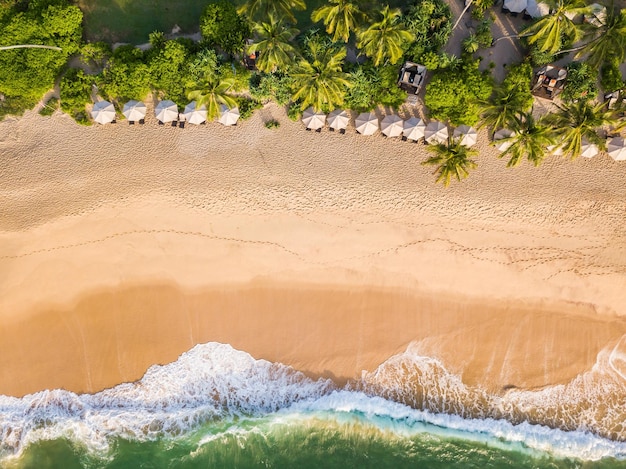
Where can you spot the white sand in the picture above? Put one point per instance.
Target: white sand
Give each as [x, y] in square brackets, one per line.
[88, 210]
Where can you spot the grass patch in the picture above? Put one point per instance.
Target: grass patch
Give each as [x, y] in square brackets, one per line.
[132, 20]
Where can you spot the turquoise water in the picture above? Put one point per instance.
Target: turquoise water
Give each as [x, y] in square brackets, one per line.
[220, 408]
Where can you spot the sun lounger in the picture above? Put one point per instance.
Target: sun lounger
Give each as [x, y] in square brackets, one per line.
[342, 131]
[318, 130]
[174, 124]
[131, 122]
[161, 123]
[142, 121]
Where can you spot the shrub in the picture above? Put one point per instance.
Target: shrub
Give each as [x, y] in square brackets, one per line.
[373, 86]
[611, 77]
[294, 111]
[453, 94]
[483, 34]
[430, 22]
[580, 83]
[538, 58]
[126, 76]
[272, 124]
[275, 86]
[247, 106]
[76, 93]
[221, 26]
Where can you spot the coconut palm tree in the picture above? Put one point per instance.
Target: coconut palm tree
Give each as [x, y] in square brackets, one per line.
[319, 80]
[504, 107]
[530, 140]
[451, 160]
[574, 122]
[385, 40]
[273, 45]
[549, 31]
[211, 93]
[262, 9]
[340, 17]
[607, 42]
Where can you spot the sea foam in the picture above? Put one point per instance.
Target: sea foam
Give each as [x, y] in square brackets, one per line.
[213, 381]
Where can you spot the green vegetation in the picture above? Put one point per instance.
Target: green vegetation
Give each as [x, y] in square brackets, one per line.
[26, 74]
[385, 40]
[222, 27]
[341, 18]
[452, 160]
[509, 101]
[530, 141]
[274, 45]
[552, 31]
[429, 22]
[272, 124]
[211, 93]
[50, 107]
[581, 82]
[76, 89]
[454, 93]
[611, 77]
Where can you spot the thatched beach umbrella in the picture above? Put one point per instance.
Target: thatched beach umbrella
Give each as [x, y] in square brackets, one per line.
[313, 119]
[436, 132]
[588, 150]
[103, 112]
[515, 6]
[134, 110]
[338, 119]
[228, 116]
[392, 126]
[166, 111]
[537, 10]
[616, 148]
[195, 115]
[466, 135]
[413, 128]
[366, 123]
[503, 134]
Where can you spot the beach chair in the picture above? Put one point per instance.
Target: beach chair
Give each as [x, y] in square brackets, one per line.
[181, 124]
[142, 121]
[161, 123]
[307, 129]
[332, 129]
[131, 122]
[174, 124]
[318, 130]
[404, 139]
[342, 131]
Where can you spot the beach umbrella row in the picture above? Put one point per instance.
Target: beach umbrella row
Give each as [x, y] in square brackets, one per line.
[103, 112]
[533, 8]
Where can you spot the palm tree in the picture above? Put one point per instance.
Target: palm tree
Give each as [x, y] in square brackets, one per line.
[530, 140]
[385, 40]
[608, 42]
[212, 92]
[273, 45]
[577, 121]
[320, 81]
[262, 9]
[340, 17]
[451, 160]
[548, 32]
[504, 107]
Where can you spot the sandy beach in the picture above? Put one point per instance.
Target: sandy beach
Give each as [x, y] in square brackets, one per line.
[123, 246]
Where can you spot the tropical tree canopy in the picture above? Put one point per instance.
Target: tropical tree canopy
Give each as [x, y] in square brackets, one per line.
[607, 43]
[509, 100]
[27, 73]
[341, 17]
[577, 121]
[451, 160]
[387, 39]
[273, 45]
[260, 10]
[530, 141]
[548, 32]
[211, 93]
[318, 79]
[222, 26]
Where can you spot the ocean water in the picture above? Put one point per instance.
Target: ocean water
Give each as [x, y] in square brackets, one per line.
[216, 407]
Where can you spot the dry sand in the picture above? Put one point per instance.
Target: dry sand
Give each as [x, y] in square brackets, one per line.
[123, 246]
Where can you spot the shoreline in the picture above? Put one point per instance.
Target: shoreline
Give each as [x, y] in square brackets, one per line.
[103, 209]
[326, 331]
